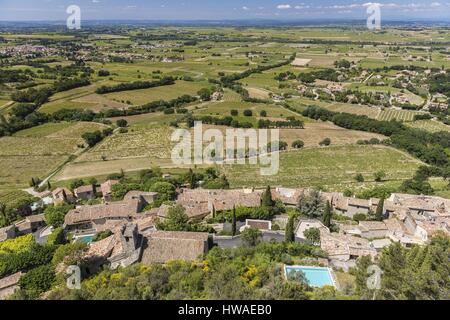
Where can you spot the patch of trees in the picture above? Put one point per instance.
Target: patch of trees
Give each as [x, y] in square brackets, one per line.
[69, 84]
[93, 138]
[223, 121]
[136, 85]
[11, 76]
[36, 256]
[290, 123]
[419, 273]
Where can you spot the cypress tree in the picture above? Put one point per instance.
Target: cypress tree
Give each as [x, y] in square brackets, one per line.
[267, 200]
[233, 224]
[327, 215]
[289, 235]
[380, 209]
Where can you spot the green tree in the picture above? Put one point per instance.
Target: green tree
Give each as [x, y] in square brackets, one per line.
[313, 236]
[38, 280]
[379, 213]
[177, 220]
[290, 233]
[266, 198]
[298, 144]
[122, 123]
[327, 215]
[379, 176]
[54, 215]
[311, 204]
[57, 237]
[234, 222]
[251, 237]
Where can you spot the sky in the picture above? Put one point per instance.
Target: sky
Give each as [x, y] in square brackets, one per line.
[49, 10]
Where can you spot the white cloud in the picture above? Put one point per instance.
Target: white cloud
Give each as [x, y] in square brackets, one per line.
[284, 6]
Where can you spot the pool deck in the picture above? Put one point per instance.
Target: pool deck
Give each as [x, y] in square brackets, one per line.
[330, 272]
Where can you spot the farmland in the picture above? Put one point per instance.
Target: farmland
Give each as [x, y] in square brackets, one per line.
[36, 152]
[333, 168]
[281, 91]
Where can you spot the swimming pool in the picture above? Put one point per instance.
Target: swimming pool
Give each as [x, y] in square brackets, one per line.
[316, 276]
[85, 239]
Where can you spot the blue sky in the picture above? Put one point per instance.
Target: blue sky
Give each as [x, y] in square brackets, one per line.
[13, 10]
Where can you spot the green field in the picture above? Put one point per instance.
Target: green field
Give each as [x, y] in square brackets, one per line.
[333, 168]
[38, 151]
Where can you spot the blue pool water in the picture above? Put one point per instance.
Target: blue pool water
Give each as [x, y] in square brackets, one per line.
[86, 239]
[317, 277]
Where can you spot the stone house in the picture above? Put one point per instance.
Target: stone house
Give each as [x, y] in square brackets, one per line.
[85, 192]
[9, 285]
[63, 195]
[7, 233]
[163, 246]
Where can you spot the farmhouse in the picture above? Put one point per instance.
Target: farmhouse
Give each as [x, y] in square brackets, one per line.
[200, 203]
[305, 225]
[63, 195]
[7, 233]
[85, 192]
[163, 246]
[9, 285]
[373, 229]
[119, 250]
[106, 189]
[148, 197]
[426, 206]
[351, 206]
[100, 217]
[344, 249]
[30, 224]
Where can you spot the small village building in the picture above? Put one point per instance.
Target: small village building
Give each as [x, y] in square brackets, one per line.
[7, 233]
[373, 229]
[85, 192]
[148, 197]
[262, 225]
[9, 285]
[63, 195]
[100, 217]
[305, 225]
[30, 224]
[106, 189]
[164, 246]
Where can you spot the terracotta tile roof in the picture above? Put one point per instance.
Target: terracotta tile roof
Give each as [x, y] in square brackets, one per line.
[372, 225]
[163, 246]
[84, 189]
[114, 210]
[10, 280]
[338, 244]
[288, 196]
[107, 186]
[59, 191]
[200, 202]
[136, 194]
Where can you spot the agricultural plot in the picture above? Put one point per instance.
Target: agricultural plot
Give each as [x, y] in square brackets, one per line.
[429, 125]
[401, 115]
[140, 97]
[38, 151]
[332, 167]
